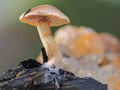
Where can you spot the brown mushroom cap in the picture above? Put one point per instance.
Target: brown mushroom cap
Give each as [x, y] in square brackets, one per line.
[44, 13]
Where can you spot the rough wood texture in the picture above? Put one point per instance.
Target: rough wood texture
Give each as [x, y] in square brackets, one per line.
[30, 75]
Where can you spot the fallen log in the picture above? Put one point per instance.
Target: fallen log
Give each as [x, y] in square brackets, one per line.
[31, 75]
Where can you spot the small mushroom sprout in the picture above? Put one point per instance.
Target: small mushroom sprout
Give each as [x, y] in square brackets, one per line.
[44, 17]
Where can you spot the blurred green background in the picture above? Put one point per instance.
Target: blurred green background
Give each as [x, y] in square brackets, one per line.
[20, 41]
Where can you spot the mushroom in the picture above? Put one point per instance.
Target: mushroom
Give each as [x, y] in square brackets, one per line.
[44, 17]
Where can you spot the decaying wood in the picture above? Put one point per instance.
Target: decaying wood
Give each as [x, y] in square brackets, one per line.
[31, 75]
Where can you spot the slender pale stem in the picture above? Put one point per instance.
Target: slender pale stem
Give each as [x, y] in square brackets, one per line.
[48, 41]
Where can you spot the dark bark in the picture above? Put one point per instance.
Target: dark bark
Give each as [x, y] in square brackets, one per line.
[30, 75]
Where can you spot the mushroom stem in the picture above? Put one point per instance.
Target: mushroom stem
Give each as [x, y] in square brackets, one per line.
[47, 39]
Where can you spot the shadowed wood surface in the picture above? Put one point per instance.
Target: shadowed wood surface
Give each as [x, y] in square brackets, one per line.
[31, 75]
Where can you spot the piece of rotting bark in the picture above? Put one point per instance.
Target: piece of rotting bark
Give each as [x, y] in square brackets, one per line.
[37, 77]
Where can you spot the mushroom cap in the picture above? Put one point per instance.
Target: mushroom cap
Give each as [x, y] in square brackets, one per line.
[44, 13]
